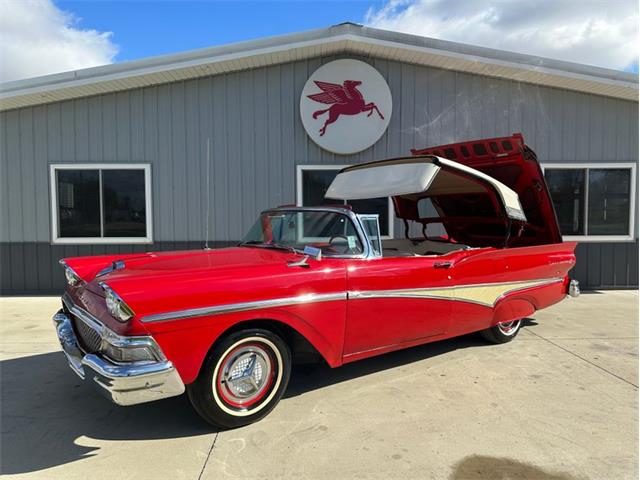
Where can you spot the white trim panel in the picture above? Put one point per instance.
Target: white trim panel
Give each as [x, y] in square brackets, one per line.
[415, 175]
[385, 180]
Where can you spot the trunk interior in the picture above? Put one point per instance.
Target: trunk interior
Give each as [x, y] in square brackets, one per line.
[470, 219]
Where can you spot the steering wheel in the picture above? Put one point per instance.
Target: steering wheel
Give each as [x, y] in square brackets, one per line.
[344, 244]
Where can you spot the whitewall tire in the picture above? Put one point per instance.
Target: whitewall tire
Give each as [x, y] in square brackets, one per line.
[242, 379]
[502, 332]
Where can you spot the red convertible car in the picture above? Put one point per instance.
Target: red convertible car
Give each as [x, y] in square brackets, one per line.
[481, 251]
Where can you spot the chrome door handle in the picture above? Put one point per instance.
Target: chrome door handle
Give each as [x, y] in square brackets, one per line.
[442, 265]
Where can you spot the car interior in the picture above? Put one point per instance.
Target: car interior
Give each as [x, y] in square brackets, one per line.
[411, 247]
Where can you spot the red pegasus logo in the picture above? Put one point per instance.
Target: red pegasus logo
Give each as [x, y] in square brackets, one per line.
[344, 99]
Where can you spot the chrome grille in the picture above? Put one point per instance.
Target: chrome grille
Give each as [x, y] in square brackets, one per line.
[90, 340]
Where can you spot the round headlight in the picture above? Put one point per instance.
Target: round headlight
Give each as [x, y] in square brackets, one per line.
[116, 306]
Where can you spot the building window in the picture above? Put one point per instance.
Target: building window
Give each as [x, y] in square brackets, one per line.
[105, 203]
[313, 182]
[593, 202]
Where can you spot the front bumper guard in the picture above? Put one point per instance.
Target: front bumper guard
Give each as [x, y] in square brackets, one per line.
[123, 384]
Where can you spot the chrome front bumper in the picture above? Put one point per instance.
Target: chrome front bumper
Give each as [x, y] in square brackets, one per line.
[123, 384]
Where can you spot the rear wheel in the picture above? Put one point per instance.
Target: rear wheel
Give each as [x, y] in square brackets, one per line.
[503, 332]
[243, 378]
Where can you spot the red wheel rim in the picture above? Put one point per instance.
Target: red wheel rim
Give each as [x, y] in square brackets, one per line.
[246, 375]
[509, 328]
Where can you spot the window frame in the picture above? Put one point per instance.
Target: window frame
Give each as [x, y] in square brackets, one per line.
[53, 195]
[299, 193]
[631, 166]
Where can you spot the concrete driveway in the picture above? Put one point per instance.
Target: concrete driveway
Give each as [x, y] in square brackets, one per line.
[559, 402]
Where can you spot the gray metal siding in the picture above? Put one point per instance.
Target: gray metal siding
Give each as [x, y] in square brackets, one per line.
[257, 139]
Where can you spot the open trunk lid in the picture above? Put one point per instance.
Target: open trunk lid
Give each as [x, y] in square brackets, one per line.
[510, 161]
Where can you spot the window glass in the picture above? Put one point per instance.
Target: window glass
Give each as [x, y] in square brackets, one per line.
[78, 203]
[426, 209]
[314, 187]
[370, 224]
[101, 203]
[324, 225]
[124, 203]
[567, 189]
[378, 206]
[609, 199]
[332, 232]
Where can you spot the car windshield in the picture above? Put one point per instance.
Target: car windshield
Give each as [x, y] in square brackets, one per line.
[332, 232]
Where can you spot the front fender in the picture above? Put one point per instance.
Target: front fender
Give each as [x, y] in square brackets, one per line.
[186, 342]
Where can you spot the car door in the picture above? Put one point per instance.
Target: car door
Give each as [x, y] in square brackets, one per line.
[394, 301]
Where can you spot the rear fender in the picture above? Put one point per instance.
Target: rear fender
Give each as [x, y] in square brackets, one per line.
[513, 309]
[524, 304]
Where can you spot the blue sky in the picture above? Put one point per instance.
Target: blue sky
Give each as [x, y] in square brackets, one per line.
[146, 28]
[40, 37]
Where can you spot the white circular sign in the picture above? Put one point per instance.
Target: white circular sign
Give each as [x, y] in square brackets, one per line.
[345, 106]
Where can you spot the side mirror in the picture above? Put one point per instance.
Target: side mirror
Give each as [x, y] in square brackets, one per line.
[313, 252]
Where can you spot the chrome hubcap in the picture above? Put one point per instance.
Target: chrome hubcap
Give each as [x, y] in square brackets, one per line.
[245, 374]
[509, 328]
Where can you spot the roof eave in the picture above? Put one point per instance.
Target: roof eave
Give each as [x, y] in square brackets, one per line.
[341, 39]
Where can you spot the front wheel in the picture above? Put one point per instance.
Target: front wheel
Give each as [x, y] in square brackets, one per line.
[242, 379]
[503, 332]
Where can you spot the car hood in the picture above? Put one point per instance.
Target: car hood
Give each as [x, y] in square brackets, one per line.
[162, 263]
[107, 268]
[157, 282]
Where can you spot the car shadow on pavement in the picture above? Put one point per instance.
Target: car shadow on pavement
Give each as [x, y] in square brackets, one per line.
[45, 408]
[313, 376]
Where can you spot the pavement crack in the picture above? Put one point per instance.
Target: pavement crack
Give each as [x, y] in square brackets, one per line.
[584, 359]
[208, 455]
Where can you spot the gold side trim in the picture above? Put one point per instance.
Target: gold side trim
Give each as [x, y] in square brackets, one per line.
[487, 294]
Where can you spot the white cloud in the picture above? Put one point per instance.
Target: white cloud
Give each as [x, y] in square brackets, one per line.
[595, 32]
[37, 38]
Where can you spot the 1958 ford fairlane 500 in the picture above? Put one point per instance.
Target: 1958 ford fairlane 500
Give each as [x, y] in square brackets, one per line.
[482, 250]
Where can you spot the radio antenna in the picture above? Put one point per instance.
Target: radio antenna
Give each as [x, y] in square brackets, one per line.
[206, 234]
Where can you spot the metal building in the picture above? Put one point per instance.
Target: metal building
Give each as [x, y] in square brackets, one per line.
[113, 159]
